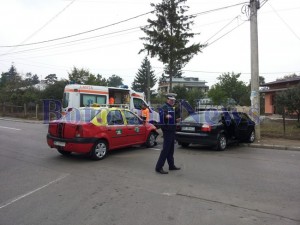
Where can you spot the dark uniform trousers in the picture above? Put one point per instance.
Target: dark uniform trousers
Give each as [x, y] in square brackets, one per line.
[168, 128]
[168, 150]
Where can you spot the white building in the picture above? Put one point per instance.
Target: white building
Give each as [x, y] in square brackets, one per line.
[189, 83]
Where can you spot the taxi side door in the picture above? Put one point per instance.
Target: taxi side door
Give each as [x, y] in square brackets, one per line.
[116, 129]
[136, 130]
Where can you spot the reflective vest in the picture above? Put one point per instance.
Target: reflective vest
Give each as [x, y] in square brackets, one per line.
[146, 114]
[111, 100]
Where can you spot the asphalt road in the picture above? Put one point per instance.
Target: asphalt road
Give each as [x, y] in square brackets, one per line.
[240, 186]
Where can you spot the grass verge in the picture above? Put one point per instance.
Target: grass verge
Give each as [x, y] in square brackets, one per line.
[274, 128]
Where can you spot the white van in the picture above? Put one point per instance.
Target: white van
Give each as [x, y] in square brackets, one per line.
[77, 95]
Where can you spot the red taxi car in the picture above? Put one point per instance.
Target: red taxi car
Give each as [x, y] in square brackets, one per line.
[98, 130]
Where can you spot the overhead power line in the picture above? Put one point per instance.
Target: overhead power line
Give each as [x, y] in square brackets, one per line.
[220, 72]
[70, 42]
[217, 9]
[113, 24]
[206, 42]
[54, 17]
[41, 28]
[224, 34]
[77, 34]
[285, 23]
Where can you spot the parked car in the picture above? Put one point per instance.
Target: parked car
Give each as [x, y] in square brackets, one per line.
[215, 128]
[98, 130]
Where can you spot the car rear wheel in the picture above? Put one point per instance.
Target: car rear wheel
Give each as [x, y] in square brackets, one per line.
[63, 152]
[151, 140]
[222, 143]
[251, 137]
[184, 144]
[99, 150]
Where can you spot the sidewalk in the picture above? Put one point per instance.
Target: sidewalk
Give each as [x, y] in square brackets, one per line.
[264, 142]
[275, 143]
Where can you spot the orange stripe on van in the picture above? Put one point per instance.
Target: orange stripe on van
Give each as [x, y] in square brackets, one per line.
[87, 91]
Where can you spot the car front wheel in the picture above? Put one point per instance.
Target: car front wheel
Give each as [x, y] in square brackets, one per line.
[99, 150]
[222, 143]
[251, 137]
[151, 140]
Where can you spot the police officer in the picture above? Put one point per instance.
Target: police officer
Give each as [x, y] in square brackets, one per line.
[168, 125]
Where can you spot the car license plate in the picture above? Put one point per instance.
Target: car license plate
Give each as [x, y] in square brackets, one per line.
[59, 143]
[188, 128]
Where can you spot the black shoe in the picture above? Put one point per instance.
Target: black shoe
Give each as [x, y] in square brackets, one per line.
[174, 168]
[161, 171]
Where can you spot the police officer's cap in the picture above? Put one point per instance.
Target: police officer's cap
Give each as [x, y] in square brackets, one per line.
[171, 96]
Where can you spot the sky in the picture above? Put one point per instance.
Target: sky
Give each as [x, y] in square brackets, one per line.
[103, 36]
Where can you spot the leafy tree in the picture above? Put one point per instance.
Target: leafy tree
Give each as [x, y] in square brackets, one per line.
[96, 80]
[229, 87]
[51, 79]
[11, 81]
[79, 76]
[217, 95]
[261, 80]
[102, 81]
[168, 36]
[55, 90]
[114, 81]
[35, 79]
[11, 77]
[180, 91]
[31, 95]
[140, 82]
[31, 80]
[262, 96]
[293, 100]
[193, 95]
[281, 100]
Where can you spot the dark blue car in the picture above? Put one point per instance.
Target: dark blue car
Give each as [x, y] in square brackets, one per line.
[215, 128]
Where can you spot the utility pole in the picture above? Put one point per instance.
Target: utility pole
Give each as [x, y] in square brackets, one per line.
[255, 104]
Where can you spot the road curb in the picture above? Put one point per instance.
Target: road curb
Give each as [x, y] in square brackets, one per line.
[268, 146]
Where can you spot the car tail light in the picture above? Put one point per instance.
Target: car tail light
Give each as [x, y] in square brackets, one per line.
[178, 128]
[79, 131]
[206, 128]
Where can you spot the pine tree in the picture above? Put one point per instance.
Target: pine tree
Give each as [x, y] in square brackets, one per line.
[140, 82]
[168, 36]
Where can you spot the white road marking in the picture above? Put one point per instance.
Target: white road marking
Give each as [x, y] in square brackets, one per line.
[31, 192]
[11, 128]
[156, 149]
[168, 194]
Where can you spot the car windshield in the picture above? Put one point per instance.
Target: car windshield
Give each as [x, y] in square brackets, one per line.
[81, 115]
[203, 117]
